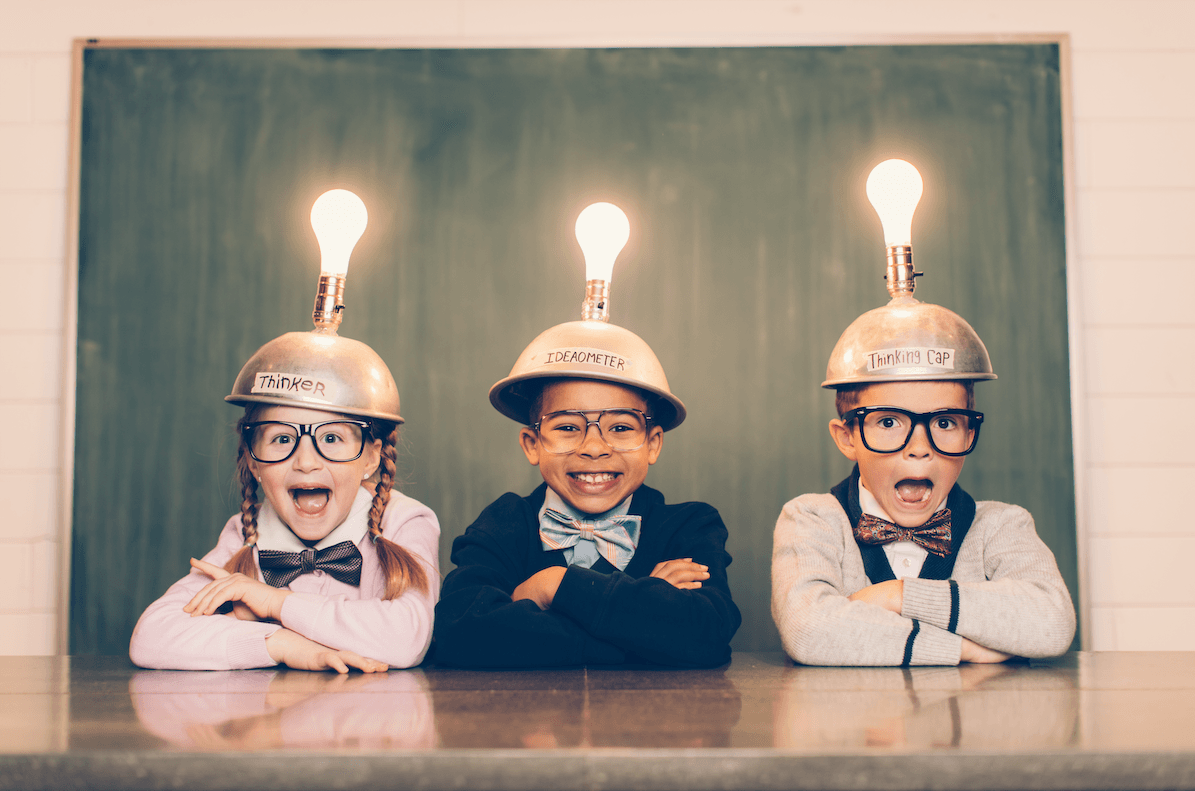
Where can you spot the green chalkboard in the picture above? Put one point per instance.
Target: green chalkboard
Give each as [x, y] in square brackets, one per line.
[753, 246]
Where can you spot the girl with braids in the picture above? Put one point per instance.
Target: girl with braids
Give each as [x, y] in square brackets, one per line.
[335, 569]
[326, 567]
[332, 571]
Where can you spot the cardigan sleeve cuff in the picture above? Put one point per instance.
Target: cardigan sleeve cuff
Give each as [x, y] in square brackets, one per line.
[299, 613]
[930, 601]
[934, 646]
[247, 649]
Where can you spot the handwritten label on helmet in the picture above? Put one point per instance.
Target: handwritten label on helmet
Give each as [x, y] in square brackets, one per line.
[911, 357]
[583, 356]
[284, 384]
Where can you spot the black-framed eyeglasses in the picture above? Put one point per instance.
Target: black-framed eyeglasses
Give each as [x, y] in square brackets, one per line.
[564, 432]
[272, 441]
[888, 429]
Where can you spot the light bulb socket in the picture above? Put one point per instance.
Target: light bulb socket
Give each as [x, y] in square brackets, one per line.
[901, 275]
[329, 303]
[596, 306]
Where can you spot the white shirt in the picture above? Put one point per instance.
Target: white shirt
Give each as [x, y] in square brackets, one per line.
[905, 557]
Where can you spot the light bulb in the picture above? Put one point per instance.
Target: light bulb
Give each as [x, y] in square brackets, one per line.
[894, 188]
[602, 231]
[339, 218]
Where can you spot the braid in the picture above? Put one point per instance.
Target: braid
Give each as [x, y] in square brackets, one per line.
[242, 561]
[399, 567]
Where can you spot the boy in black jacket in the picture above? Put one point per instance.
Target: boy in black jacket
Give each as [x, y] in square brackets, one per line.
[592, 567]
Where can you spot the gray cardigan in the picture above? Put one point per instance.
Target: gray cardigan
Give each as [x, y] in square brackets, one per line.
[1005, 593]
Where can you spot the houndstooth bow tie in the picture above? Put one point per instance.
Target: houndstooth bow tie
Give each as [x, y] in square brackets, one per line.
[341, 561]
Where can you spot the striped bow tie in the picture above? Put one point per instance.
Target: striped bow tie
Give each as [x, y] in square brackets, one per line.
[934, 535]
[342, 561]
[612, 536]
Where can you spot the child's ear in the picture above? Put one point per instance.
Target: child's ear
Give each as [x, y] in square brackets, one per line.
[529, 442]
[844, 438]
[655, 444]
[373, 454]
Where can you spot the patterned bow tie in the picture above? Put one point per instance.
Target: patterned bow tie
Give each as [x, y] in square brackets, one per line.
[934, 535]
[612, 536]
[342, 561]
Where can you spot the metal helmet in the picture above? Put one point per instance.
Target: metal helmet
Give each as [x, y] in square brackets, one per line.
[908, 340]
[587, 350]
[319, 370]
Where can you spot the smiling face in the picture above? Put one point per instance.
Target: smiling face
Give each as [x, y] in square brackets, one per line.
[312, 495]
[593, 478]
[912, 483]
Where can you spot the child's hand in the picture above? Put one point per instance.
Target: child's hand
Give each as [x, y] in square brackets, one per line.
[889, 594]
[296, 651]
[540, 587]
[262, 600]
[974, 652]
[682, 573]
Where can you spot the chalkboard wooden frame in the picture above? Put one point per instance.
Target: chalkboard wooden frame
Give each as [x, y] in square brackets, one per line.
[1074, 334]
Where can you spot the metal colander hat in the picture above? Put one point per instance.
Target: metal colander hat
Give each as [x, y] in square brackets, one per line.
[586, 350]
[906, 340]
[320, 370]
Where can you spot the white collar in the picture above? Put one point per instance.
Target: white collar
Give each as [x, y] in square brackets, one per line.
[556, 503]
[272, 532]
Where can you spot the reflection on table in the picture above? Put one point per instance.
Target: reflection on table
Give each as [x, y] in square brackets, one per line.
[266, 709]
[1084, 721]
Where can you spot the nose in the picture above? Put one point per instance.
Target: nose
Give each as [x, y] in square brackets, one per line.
[594, 445]
[919, 447]
[306, 458]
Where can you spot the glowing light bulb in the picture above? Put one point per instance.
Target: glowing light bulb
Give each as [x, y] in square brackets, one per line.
[602, 231]
[894, 189]
[339, 218]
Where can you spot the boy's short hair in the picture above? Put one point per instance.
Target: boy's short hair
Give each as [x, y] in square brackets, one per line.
[846, 397]
[533, 391]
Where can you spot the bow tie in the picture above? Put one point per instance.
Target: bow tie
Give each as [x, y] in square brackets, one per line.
[342, 561]
[934, 535]
[612, 536]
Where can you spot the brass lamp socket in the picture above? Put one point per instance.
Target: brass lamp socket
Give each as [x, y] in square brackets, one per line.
[596, 306]
[329, 302]
[901, 275]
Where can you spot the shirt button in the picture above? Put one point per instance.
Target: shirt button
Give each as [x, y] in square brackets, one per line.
[908, 562]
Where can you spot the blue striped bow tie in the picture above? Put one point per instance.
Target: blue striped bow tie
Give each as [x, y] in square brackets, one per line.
[341, 561]
[612, 536]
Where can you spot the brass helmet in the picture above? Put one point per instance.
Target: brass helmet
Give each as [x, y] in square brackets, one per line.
[587, 349]
[906, 340]
[319, 369]
[591, 348]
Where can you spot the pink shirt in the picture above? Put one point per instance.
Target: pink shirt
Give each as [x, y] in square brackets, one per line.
[341, 616]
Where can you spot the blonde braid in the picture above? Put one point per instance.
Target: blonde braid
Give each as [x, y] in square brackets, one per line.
[400, 569]
[242, 561]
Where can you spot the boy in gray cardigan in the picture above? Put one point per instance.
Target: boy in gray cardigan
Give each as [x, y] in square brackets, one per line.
[898, 565]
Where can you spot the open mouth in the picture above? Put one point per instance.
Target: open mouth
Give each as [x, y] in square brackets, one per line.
[310, 500]
[594, 478]
[914, 491]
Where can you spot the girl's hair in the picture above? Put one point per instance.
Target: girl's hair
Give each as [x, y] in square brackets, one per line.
[400, 568]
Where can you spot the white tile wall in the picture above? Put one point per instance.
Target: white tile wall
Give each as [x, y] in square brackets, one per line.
[1134, 107]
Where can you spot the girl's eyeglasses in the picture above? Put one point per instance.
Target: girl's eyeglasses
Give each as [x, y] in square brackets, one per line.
[272, 441]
